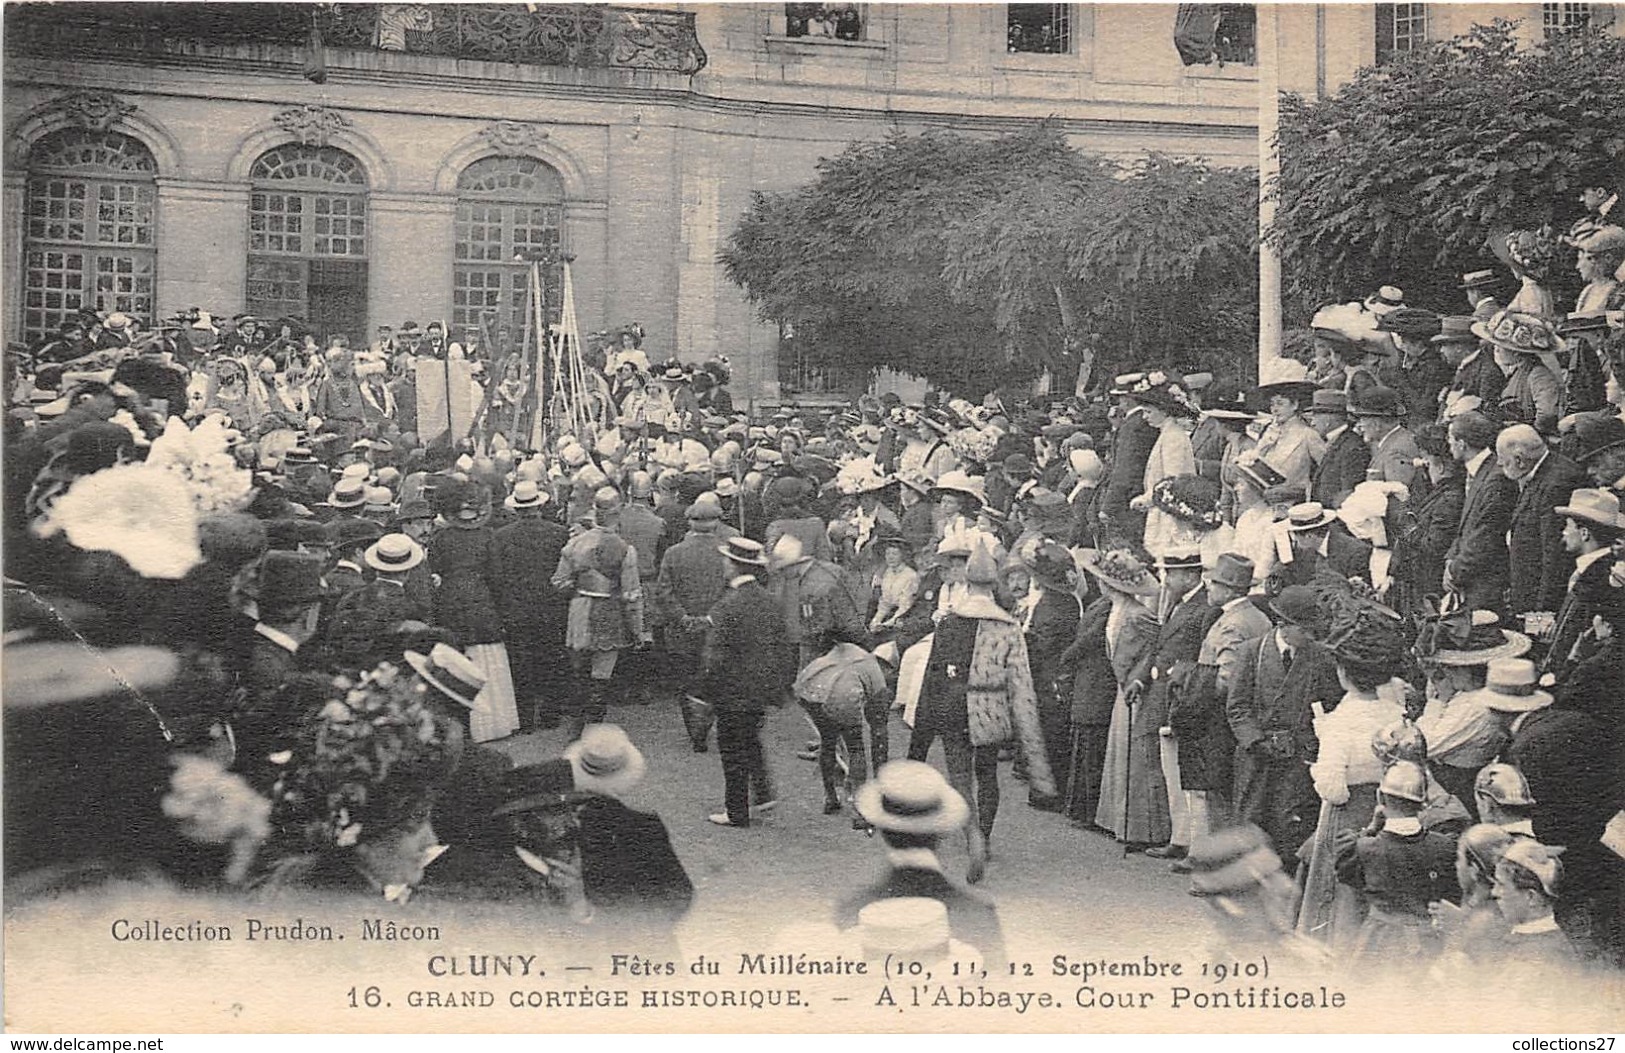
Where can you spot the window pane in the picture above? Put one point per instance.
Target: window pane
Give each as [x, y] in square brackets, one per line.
[1038, 28]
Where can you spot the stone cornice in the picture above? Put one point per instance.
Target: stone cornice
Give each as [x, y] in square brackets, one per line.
[22, 71]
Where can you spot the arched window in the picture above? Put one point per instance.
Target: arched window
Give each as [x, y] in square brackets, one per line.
[506, 207]
[90, 240]
[307, 238]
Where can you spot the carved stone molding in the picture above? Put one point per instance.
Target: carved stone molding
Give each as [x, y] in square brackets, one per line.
[312, 125]
[514, 135]
[96, 110]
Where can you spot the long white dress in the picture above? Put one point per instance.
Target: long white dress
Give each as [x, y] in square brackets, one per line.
[1172, 455]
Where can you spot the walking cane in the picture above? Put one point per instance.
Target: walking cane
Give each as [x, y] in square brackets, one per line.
[1128, 773]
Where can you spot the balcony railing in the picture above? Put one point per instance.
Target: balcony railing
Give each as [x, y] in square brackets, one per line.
[578, 35]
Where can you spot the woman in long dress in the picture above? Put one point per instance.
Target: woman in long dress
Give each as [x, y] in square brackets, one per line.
[1133, 801]
[1367, 643]
[1170, 411]
[463, 604]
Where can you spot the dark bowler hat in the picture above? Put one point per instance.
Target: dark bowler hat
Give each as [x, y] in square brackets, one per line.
[1376, 402]
[1456, 329]
[1234, 570]
[1299, 391]
[1410, 321]
[1597, 433]
[1329, 400]
[1297, 604]
[288, 578]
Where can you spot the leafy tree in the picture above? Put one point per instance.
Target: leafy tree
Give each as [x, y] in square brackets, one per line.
[1406, 171]
[979, 262]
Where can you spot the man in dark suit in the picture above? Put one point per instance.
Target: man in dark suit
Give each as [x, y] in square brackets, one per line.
[1574, 781]
[693, 577]
[1540, 567]
[1476, 373]
[1342, 467]
[1196, 706]
[1131, 448]
[526, 552]
[913, 807]
[1592, 525]
[1186, 617]
[1320, 541]
[1091, 685]
[1476, 562]
[1049, 617]
[744, 672]
[1267, 705]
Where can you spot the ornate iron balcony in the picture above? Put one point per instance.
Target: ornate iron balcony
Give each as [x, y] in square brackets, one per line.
[578, 35]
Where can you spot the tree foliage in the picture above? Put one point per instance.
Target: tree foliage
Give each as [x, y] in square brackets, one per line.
[1405, 172]
[976, 262]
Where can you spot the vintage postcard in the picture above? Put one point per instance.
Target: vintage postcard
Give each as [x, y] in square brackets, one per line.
[814, 517]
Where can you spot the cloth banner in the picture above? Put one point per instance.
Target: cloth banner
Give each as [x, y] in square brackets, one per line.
[438, 412]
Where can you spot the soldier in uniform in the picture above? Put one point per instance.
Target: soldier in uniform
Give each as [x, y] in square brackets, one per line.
[606, 612]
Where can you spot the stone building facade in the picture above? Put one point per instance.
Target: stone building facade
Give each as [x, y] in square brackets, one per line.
[159, 162]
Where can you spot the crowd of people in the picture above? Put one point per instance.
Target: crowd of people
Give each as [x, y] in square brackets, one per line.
[1365, 620]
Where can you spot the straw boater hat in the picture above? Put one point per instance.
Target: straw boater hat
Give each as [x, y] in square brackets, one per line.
[526, 494]
[915, 927]
[747, 552]
[605, 761]
[1232, 862]
[1120, 570]
[911, 797]
[348, 492]
[393, 554]
[1478, 280]
[1309, 515]
[1510, 687]
[451, 671]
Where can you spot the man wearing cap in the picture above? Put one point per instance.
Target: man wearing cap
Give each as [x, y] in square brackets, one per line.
[1476, 563]
[1343, 465]
[1592, 526]
[1540, 567]
[914, 808]
[693, 576]
[744, 672]
[1268, 708]
[606, 611]
[534, 614]
[1377, 414]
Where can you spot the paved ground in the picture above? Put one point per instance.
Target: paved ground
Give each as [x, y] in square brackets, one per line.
[1059, 889]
